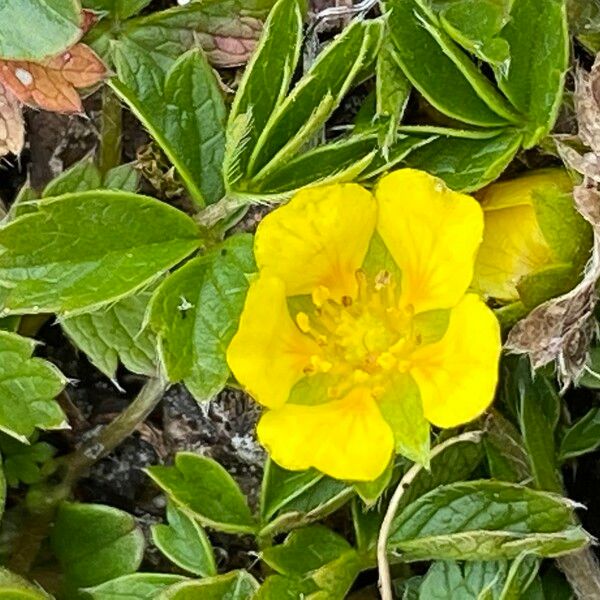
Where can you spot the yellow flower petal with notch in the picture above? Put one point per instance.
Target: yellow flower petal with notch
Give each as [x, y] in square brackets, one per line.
[336, 318]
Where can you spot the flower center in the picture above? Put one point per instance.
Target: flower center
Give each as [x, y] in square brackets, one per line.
[363, 338]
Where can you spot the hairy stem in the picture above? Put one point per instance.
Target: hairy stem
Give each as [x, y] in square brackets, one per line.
[110, 131]
[43, 502]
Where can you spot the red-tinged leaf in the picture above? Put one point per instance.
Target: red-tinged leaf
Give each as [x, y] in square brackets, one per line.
[51, 85]
[12, 127]
[90, 18]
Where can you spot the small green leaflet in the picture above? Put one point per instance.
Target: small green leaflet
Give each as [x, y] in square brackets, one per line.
[116, 333]
[184, 543]
[139, 586]
[113, 544]
[13, 587]
[195, 313]
[81, 177]
[236, 585]
[184, 110]
[205, 490]
[23, 462]
[28, 387]
[57, 259]
[57, 21]
[581, 437]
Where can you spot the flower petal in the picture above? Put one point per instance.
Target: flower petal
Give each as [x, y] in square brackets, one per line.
[457, 376]
[268, 353]
[433, 234]
[320, 238]
[346, 439]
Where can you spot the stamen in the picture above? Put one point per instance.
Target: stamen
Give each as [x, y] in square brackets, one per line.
[303, 322]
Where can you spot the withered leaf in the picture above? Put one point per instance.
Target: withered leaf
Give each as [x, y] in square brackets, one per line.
[52, 85]
[12, 127]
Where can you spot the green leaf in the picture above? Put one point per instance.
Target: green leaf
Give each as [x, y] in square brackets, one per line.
[114, 334]
[402, 409]
[506, 454]
[124, 177]
[183, 109]
[28, 387]
[184, 543]
[535, 76]
[466, 164]
[204, 489]
[58, 21]
[315, 97]
[117, 9]
[265, 83]
[236, 585]
[371, 491]
[546, 283]
[581, 437]
[13, 587]
[454, 463]
[340, 161]
[485, 520]
[81, 177]
[590, 378]
[23, 461]
[139, 586]
[441, 71]
[539, 410]
[305, 550]
[112, 544]
[195, 313]
[58, 259]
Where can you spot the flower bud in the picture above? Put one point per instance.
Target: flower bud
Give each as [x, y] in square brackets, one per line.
[535, 243]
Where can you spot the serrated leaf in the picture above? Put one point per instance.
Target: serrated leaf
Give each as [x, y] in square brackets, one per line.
[466, 164]
[195, 313]
[267, 78]
[204, 489]
[485, 520]
[581, 437]
[52, 85]
[534, 79]
[113, 544]
[183, 109]
[139, 586]
[28, 387]
[81, 177]
[116, 333]
[184, 543]
[14, 587]
[236, 585]
[59, 20]
[58, 259]
[12, 126]
[315, 97]
[441, 71]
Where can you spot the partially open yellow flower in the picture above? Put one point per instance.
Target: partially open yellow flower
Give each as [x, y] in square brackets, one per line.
[358, 331]
[535, 243]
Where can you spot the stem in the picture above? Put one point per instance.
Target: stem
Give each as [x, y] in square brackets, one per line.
[111, 125]
[44, 501]
[385, 580]
[583, 572]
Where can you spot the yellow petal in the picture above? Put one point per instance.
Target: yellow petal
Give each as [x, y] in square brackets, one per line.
[346, 439]
[320, 238]
[268, 353]
[457, 376]
[433, 234]
[513, 242]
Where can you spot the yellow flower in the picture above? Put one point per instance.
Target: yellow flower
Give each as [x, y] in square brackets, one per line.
[358, 331]
[535, 244]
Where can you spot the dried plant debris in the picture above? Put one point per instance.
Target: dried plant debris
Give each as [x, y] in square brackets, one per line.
[562, 329]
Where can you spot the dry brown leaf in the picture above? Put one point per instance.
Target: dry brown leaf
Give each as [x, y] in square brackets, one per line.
[12, 127]
[51, 85]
